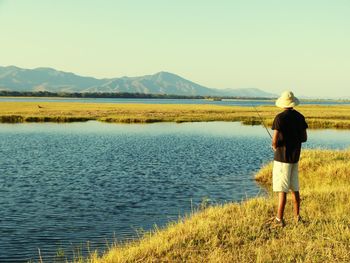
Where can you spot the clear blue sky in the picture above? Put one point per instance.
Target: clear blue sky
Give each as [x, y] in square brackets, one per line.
[273, 45]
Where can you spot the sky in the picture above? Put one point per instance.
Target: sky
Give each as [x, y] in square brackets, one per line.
[274, 45]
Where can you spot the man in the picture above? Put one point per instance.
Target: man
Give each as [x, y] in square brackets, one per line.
[289, 132]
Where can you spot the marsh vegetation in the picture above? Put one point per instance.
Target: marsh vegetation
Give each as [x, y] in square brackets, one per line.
[16, 112]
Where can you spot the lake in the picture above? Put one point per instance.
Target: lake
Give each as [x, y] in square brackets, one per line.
[224, 102]
[63, 185]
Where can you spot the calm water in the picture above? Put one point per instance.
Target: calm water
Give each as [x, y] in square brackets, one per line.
[62, 185]
[233, 102]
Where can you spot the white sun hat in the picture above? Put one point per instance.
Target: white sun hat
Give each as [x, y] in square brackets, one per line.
[287, 100]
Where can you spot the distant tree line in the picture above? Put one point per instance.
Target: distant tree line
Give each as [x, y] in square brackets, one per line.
[93, 95]
[7, 93]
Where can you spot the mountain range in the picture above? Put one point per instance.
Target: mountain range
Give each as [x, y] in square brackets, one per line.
[48, 79]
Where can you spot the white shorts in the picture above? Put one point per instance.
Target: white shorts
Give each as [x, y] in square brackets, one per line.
[285, 176]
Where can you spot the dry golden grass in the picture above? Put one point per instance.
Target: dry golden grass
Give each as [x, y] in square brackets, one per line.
[317, 116]
[240, 232]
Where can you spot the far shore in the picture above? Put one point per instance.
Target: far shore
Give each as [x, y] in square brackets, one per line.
[317, 116]
[41, 97]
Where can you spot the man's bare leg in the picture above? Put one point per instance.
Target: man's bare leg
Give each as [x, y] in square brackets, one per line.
[282, 199]
[296, 202]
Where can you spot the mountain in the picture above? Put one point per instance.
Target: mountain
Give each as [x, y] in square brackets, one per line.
[247, 92]
[47, 79]
[159, 83]
[44, 79]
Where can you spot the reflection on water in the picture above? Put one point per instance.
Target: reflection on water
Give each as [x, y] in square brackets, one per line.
[64, 184]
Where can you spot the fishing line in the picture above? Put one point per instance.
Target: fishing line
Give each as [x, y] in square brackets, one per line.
[262, 120]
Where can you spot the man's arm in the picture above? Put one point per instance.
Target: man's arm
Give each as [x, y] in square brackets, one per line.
[275, 139]
[304, 136]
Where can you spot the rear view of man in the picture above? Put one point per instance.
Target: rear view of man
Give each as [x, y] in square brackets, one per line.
[289, 132]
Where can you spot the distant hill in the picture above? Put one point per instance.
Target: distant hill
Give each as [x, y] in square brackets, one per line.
[159, 83]
[247, 92]
[47, 79]
[44, 79]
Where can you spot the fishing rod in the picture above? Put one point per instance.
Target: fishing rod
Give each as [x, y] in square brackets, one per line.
[262, 120]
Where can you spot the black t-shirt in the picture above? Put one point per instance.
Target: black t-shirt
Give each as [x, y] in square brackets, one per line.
[291, 125]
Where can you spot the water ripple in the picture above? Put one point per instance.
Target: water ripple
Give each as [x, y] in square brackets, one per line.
[64, 185]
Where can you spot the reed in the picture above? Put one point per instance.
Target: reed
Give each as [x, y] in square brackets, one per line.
[240, 232]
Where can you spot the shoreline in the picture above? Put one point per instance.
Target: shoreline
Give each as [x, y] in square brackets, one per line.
[241, 232]
[182, 98]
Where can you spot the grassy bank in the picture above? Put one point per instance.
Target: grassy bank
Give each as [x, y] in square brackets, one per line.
[16, 112]
[241, 232]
